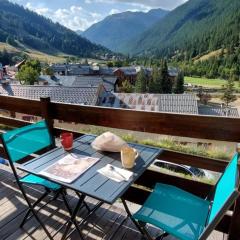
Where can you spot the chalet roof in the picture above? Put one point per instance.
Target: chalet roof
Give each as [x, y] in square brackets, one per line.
[172, 72]
[127, 70]
[81, 81]
[177, 103]
[218, 111]
[73, 69]
[108, 82]
[75, 95]
[106, 70]
[59, 67]
[79, 70]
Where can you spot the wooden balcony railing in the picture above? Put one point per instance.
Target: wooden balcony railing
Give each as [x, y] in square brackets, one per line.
[203, 127]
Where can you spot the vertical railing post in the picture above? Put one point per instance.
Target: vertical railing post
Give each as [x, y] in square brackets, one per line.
[46, 114]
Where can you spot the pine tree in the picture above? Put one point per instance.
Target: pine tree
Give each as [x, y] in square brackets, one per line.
[179, 84]
[155, 85]
[228, 95]
[166, 82]
[141, 82]
[85, 62]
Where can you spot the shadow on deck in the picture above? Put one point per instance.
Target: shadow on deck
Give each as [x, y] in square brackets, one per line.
[100, 226]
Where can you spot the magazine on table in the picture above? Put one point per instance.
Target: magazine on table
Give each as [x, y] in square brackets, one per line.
[69, 168]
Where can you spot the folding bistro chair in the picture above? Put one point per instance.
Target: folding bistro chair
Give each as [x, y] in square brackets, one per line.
[184, 215]
[20, 143]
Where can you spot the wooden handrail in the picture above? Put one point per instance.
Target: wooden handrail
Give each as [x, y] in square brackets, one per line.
[194, 126]
[20, 105]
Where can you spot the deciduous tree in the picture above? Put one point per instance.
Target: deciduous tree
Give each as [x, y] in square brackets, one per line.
[27, 75]
[228, 95]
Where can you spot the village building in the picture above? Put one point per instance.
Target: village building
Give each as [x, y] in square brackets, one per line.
[126, 73]
[74, 69]
[130, 74]
[60, 69]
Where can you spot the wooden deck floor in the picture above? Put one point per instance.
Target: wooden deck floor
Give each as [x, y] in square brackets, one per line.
[100, 226]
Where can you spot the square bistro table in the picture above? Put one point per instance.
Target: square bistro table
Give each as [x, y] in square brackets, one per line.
[91, 183]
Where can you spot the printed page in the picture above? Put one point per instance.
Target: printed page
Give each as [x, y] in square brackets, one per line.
[69, 168]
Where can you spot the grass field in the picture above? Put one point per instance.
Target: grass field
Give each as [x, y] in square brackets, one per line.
[208, 83]
[215, 53]
[34, 54]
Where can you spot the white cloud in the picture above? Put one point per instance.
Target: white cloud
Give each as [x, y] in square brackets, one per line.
[74, 17]
[80, 16]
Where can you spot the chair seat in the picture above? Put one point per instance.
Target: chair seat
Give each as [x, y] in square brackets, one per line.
[32, 179]
[175, 211]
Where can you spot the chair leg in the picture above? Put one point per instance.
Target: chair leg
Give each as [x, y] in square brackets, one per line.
[142, 228]
[36, 216]
[42, 225]
[33, 206]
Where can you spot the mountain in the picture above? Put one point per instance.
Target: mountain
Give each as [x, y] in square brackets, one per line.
[196, 27]
[79, 32]
[19, 26]
[117, 29]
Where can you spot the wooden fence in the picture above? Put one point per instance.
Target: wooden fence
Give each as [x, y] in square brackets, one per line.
[204, 127]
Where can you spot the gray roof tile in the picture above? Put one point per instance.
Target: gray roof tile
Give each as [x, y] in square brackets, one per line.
[177, 103]
[82, 81]
[75, 95]
[218, 111]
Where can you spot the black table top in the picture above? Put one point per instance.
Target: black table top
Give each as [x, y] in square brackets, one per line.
[91, 182]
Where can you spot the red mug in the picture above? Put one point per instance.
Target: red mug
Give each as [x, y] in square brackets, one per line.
[66, 140]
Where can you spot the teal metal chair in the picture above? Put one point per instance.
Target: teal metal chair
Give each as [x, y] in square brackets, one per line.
[20, 143]
[184, 215]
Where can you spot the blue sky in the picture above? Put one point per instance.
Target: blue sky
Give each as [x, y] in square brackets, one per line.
[81, 14]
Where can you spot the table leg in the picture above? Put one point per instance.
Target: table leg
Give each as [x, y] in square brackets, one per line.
[73, 215]
[72, 220]
[70, 212]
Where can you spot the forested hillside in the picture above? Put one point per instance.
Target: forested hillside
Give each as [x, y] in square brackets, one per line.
[196, 28]
[117, 29]
[21, 26]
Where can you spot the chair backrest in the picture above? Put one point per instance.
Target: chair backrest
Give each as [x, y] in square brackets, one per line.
[21, 142]
[226, 192]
